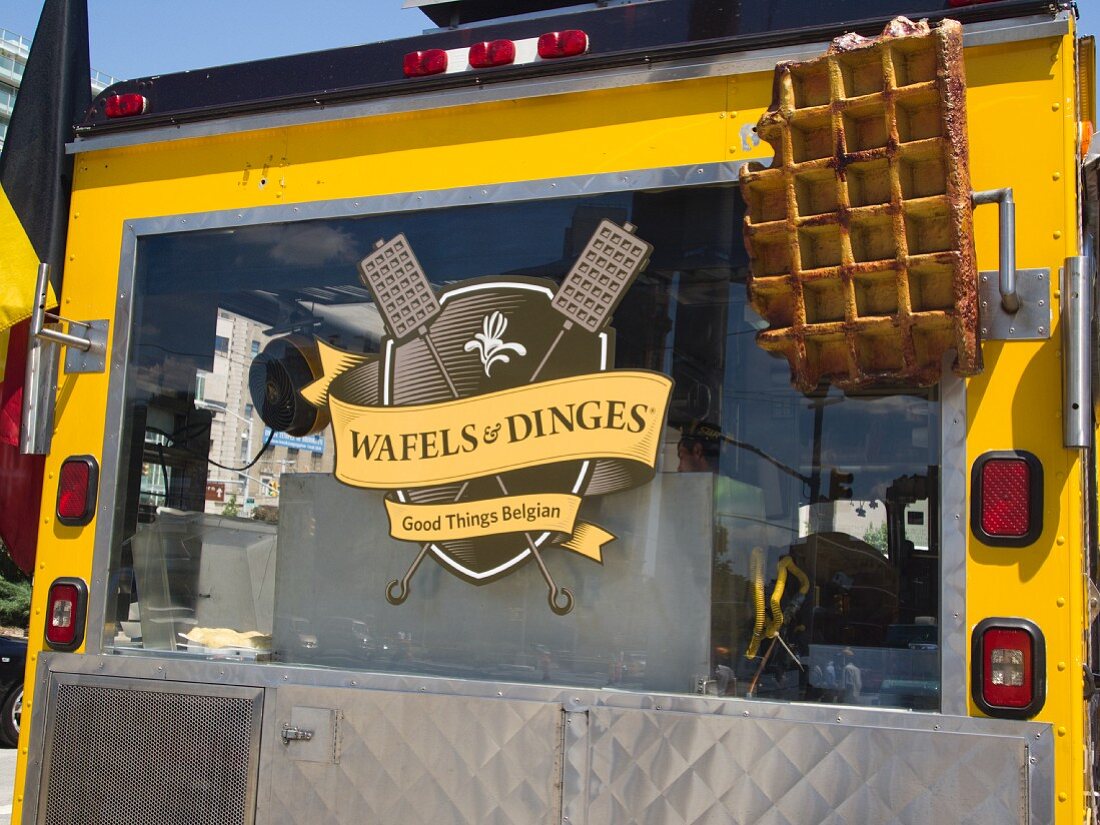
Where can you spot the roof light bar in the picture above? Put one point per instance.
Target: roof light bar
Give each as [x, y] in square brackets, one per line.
[425, 63]
[567, 43]
[491, 53]
[127, 105]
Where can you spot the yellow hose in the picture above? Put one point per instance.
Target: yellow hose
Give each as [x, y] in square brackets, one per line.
[775, 623]
[756, 575]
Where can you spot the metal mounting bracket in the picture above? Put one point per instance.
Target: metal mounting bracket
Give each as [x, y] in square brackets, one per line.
[93, 359]
[1031, 322]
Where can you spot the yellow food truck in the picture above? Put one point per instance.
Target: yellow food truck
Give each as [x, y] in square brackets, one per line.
[584, 412]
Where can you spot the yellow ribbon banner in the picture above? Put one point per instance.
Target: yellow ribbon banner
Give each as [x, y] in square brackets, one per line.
[605, 415]
[552, 512]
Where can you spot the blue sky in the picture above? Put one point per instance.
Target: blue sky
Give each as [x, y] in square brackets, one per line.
[135, 38]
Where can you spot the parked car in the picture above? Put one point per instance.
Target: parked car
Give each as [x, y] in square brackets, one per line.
[13, 661]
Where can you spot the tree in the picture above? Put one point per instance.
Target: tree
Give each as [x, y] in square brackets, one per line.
[15, 592]
[231, 507]
[876, 536]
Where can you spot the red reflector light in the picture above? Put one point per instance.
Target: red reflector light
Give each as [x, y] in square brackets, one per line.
[492, 53]
[1008, 668]
[566, 43]
[428, 62]
[1007, 498]
[76, 490]
[65, 613]
[126, 105]
[1006, 488]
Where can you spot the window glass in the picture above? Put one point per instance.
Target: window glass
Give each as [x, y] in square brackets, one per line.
[763, 542]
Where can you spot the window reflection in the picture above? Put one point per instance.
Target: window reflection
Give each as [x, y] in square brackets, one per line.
[787, 548]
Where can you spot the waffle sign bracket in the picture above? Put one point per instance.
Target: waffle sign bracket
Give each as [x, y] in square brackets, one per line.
[1031, 322]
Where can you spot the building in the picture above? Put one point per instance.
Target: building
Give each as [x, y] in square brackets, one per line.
[14, 49]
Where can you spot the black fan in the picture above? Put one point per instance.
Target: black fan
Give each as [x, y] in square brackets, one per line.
[275, 379]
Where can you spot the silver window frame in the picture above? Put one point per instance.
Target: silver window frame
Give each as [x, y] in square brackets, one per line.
[953, 627]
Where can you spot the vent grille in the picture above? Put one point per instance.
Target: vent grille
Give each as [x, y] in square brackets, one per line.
[150, 757]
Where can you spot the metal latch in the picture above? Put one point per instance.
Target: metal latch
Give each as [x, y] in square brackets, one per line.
[291, 734]
[86, 352]
[92, 343]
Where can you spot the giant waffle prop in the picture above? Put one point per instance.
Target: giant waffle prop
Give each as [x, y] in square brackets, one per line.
[860, 234]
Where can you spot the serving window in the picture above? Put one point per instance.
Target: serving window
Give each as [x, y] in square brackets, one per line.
[310, 473]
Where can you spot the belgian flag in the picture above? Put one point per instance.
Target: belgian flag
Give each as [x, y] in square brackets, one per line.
[35, 188]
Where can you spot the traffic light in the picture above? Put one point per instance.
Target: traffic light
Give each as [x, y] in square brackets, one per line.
[840, 485]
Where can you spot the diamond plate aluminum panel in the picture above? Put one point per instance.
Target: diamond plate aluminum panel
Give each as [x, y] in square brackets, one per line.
[676, 769]
[412, 757]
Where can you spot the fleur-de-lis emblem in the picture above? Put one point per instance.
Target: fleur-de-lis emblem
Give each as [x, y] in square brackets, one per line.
[490, 342]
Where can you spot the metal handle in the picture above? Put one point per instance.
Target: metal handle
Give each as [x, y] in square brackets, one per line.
[1077, 346]
[1006, 214]
[291, 734]
[40, 376]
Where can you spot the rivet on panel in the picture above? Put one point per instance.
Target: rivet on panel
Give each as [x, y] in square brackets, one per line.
[1061, 731]
[1060, 540]
[1057, 176]
[1057, 234]
[1061, 602]
[1061, 665]
[1062, 797]
[733, 148]
[1054, 107]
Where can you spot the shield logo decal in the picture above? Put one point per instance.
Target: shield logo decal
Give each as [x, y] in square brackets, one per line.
[496, 410]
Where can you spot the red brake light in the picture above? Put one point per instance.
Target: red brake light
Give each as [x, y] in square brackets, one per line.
[566, 43]
[65, 613]
[1008, 668]
[126, 105]
[1006, 485]
[1007, 492]
[492, 53]
[428, 62]
[76, 490]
